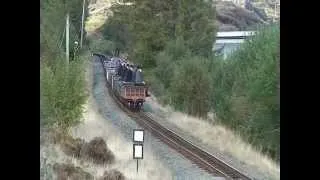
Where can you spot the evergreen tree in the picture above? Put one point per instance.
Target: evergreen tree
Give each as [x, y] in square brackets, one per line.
[152, 23]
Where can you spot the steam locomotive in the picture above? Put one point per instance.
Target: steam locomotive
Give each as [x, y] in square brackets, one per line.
[125, 81]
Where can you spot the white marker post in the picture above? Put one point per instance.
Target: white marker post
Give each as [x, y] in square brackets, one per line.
[138, 135]
[138, 138]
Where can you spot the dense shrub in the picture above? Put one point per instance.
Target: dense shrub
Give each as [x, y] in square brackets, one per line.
[190, 87]
[246, 90]
[62, 93]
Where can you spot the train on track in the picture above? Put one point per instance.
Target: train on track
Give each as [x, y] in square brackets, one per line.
[125, 81]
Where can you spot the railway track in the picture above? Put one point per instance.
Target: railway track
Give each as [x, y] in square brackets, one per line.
[203, 159]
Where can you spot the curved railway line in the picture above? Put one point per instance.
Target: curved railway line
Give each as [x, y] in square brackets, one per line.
[201, 158]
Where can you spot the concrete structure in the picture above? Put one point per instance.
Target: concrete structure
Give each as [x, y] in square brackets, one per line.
[240, 3]
[228, 42]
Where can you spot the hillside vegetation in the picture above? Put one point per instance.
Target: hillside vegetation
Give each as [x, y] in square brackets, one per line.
[246, 91]
[63, 95]
[62, 85]
[173, 41]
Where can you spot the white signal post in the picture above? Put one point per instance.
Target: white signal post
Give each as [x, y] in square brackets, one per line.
[138, 138]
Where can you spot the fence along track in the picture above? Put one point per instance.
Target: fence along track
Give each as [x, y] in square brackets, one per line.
[200, 157]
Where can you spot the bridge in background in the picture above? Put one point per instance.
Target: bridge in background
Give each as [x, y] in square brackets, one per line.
[228, 42]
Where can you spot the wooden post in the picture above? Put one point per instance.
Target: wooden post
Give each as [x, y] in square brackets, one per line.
[81, 38]
[67, 38]
[137, 165]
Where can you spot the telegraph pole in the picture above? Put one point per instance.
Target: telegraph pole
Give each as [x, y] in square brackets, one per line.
[275, 11]
[67, 38]
[81, 38]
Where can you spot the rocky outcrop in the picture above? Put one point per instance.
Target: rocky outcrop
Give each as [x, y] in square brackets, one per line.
[231, 17]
